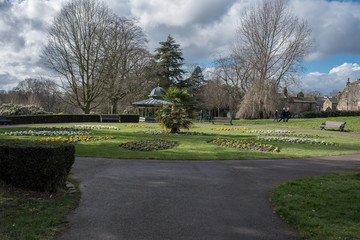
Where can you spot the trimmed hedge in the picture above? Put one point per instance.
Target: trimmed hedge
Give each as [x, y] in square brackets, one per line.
[69, 118]
[34, 165]
[325, 114]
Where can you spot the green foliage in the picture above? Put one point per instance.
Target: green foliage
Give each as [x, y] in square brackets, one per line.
[321, 207]
[300, 94]
[177, 115]
[149, 145]
[19, 109]
[67, 118]
[173, 118]
[195, 81]
[35, 165]
[170, 60]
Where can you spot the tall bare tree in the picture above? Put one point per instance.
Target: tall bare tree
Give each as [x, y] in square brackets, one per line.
[268, 53]
[78, 50]
[128, 61]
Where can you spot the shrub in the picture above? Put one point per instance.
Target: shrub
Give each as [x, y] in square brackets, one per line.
[19, 109]
[33, 165]
[325, 114]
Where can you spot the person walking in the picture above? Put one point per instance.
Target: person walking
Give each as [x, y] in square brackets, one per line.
[282, 115]
[201, 116]
[209, 116]
[276, 116]
[287, 114]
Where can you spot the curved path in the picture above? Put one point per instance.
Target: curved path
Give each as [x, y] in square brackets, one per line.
[159, 199]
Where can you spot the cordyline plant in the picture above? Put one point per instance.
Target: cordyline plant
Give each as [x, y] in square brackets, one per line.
[177, 115]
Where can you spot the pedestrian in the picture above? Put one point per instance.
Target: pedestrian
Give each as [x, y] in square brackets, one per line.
[282, 115]
[276, 116]
[201, 116]
[287, 114]
[209, 116]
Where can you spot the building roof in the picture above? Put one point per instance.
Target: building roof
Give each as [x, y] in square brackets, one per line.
[154, 99]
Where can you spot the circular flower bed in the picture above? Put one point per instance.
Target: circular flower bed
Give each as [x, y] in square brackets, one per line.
[230, 128]
[243, 144]
[149, 145]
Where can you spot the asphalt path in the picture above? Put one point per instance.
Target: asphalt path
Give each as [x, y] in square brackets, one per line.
[167, 199]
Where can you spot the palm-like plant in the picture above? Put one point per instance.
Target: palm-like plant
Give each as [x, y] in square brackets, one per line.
[178, 114]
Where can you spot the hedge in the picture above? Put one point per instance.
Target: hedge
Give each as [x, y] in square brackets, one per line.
[35, 165]
[69, 118]
[325, 114]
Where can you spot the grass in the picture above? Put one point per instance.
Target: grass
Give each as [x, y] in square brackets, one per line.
[196, 147]
[321, 207]
[33, 215]
[352, 123]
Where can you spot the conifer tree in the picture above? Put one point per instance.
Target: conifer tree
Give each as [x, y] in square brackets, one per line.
[169, 58]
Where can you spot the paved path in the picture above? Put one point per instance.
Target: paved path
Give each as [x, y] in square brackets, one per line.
[159, 199]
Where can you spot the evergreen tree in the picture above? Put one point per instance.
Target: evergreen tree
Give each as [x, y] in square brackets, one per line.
[195, 81]
[170, 60]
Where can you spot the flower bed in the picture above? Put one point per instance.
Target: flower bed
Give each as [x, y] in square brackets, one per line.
[149, 145]
[295, 140]
[268, 131]
[230, 128]
[138, 126]
[76, 138]
[46, 133]
[290, 135]
[98, 127]
[164, 132]
[243, 144]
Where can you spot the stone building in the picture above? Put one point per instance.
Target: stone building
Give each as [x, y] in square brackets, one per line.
[330, 104]
[349, 98]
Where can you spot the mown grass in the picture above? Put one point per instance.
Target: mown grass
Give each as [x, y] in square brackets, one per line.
[352, 123]
[196, 147]
[28, 215]
[321, 207]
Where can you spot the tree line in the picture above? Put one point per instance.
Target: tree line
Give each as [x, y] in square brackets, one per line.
[102, 63]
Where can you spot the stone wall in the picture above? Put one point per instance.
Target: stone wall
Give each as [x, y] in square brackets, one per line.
[349, 98]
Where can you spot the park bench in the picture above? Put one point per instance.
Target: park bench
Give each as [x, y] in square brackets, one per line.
[332, 124]
[222, 119]
[4, 120]
[115, 118]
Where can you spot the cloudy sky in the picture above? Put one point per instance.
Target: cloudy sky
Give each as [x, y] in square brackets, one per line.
[203, 28]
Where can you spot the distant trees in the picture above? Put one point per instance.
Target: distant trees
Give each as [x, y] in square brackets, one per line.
[271, 44]
[170, 60]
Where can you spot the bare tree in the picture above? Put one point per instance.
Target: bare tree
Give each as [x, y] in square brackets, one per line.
[213, 96]
[128, 60]
[78, 50]
[271, 44]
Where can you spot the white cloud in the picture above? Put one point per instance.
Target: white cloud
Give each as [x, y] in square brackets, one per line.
[204, 28]
[335, 79]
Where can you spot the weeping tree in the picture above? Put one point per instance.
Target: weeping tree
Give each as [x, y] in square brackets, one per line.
[267, 55]
[177, 115]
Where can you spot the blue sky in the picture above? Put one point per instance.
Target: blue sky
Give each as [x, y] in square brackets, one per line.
[205, 29]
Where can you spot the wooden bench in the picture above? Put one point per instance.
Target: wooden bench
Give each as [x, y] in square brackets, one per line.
[4, 120]
[222, 119]
[332, 124]
[115, 118]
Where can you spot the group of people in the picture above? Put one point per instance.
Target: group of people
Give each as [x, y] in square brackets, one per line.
[284, 115]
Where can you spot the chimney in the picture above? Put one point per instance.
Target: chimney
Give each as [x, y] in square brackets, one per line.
[348, 82]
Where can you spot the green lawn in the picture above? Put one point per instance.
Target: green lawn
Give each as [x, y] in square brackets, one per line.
[321, 207]
[28, 215]
[196, 147]
[352, 123]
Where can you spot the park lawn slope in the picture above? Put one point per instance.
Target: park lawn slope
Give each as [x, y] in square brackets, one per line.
[321, 207]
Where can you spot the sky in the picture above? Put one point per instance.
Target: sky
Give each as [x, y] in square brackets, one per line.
[204, 29]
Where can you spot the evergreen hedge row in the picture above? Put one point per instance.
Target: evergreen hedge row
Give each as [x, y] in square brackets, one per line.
[68, 118]
[325, 114]
[35, 165]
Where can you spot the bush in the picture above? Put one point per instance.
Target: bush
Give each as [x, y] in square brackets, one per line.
[325, 114]
[66, 118]
[34, 165]
[18, 109]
